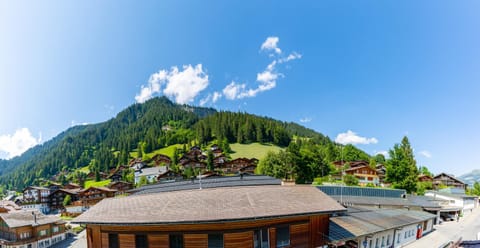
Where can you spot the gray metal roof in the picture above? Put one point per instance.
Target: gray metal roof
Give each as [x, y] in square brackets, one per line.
[223, 204]
[246, 180]
[361, 191]
[361, 223]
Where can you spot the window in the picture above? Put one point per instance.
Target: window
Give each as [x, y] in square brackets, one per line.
[42, 232]
[113, 240]
[55, 229]
[370, 245]
[383, 241]
[283, 236]
[215, 240]
[141, 241]
[376, 243]
[260, 238]
[398, 238]
[176, 240]
[388, 240]
[405, 236]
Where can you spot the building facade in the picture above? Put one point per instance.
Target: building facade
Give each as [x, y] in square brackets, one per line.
[30, 229]
[242, 216]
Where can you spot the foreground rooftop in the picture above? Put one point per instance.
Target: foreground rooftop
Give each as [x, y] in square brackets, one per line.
[211, 205]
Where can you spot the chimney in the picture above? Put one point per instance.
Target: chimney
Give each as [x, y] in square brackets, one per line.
[34, 217]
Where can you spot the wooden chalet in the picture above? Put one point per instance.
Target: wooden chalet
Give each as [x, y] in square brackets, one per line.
[120, 186]
[194, 164]
[93, 195]
[169, 175]
[237, 165]
[254, 216]
[448, 180]
[351, 164]
[58, 196]
[381, 172]
[72, 186]
[160, 159]
[425, 178]
[30, 229]
[365, 174]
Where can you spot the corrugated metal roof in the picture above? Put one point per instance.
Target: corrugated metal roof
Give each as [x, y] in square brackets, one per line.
[247, 180]
[360, 223]
[333, 190]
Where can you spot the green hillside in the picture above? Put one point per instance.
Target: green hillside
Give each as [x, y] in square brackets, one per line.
[157, 126]
[254, 150]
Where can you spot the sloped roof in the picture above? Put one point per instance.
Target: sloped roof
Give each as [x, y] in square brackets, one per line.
[362, 223]
[25, 218]
[450, 176]
[232, 181]
[216, 205]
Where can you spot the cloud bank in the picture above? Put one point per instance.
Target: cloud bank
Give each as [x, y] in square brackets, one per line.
[181, 85]
[18, 143]
[351, 137]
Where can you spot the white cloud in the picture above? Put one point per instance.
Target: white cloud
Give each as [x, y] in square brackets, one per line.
[18, 143]
[74, 123]
[216, 96]
[306, 120]
[205, 100]
[233, 90]
[426, 154]
[351, 137]
[292, 56]
[271, 44]
[182, 85]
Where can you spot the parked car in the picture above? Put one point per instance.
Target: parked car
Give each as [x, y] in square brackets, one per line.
[448, 217]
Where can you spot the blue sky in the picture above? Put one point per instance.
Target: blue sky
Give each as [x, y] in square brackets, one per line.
[366, 72]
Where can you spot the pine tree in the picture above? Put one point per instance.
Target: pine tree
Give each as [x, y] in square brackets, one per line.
[402, 169]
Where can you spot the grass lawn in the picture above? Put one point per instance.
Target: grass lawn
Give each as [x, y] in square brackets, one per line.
[254, 150]
[165, 151]
[92, 183]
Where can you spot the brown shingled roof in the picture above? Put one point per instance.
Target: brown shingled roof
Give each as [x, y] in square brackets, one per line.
[25, 218]
[211, 205]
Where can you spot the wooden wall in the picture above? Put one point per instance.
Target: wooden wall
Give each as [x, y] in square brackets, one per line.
[309, 231]
[239, 239]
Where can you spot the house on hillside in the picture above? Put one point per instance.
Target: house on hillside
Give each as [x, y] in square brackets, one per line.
[150, 173]
[448, 180]
[36, 198]
[72, 186]
[239, 165]
[57, 197]
[365, 175]
[121, 187]
[169, 176]
[425, 178]
[199, 218]
[93, 195]
[160, 159]
[30, 229]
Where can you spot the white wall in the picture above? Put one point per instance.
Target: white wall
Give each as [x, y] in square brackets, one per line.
[406, 235]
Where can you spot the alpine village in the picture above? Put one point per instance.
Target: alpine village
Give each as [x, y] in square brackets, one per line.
[164, 175]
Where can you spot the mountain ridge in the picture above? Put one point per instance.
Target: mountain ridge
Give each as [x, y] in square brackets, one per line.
[146, 127]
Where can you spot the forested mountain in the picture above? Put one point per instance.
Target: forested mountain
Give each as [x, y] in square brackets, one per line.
[155, 124]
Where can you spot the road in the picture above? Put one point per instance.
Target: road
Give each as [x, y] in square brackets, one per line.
[78, 241]
[466, 228]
